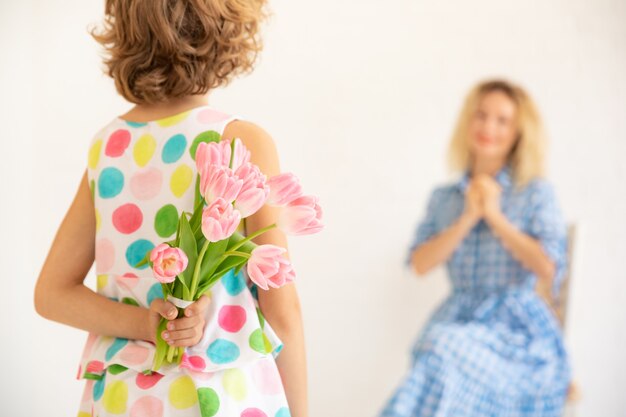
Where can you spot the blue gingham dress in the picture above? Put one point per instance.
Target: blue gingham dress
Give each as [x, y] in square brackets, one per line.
[493, 348]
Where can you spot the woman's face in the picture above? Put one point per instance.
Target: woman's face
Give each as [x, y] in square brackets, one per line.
[493, 129]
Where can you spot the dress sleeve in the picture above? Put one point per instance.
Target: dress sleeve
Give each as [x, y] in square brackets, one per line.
[427, 227]
[548, 226]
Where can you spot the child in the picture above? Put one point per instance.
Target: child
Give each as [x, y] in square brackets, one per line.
[493, 348]
[164, 56]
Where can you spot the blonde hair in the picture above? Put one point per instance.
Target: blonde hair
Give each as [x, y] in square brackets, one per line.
[163, 49]
[527, 155]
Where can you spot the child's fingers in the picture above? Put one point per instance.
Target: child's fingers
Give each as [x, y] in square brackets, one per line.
[176, 337]
[164, 308]
[185, 323]
[199, 306]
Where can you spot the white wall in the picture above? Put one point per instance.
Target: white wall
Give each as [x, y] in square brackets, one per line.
[360, 97]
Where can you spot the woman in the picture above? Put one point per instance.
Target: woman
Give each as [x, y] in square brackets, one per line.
[493, 348]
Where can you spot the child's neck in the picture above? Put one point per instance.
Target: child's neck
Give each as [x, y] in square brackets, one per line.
[164, 109]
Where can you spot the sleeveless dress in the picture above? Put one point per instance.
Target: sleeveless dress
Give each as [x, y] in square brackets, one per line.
[142, 176]
[493, 347]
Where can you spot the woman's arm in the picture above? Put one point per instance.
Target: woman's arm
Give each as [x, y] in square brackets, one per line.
[60, 294]
[281, 306]
[440, 247]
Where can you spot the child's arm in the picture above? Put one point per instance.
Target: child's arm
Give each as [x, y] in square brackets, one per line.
[60, 294]
[281, 306]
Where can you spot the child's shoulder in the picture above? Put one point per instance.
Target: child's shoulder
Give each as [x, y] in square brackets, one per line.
[253, 136]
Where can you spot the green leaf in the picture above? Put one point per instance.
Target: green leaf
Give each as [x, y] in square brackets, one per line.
[144, 260]
[188, 245]
[211, 258]
[95, 377]
[130, 301]
[116, 368]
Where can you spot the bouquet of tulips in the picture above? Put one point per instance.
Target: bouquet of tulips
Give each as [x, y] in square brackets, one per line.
[207, 244]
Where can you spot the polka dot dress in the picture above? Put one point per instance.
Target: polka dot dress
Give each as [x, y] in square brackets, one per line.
[142, 176]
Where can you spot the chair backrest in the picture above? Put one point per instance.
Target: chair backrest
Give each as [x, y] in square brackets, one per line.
[560, 305]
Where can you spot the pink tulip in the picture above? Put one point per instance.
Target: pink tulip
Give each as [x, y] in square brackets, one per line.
[301, 216]
[219, 220]
[254, 191]
[212, 153]
[220, 182]
[284, 188]
[241, 154]
[267, 267]
[167, 262]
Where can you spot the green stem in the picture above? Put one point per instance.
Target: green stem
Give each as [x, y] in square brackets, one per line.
[235, 253]
[252, 236]
[196, 270]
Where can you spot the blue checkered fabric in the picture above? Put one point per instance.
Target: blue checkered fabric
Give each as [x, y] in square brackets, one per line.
[493, 347]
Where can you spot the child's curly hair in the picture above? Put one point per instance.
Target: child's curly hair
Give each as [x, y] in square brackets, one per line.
[163, 49]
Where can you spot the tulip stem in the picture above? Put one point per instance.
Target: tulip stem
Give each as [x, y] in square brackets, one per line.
[196, 270]
[252, 236]
[236, 253]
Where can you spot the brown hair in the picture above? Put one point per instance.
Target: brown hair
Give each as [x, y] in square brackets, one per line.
[528, 153]
[163, 49]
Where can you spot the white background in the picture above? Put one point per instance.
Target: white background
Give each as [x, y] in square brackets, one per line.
[360, 97]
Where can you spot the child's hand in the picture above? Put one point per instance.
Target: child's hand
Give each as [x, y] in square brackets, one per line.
[185, 331]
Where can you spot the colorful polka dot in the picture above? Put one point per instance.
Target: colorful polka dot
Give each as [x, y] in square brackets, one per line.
[207, 116]
[128, 280]
[166, 221]
[98, 389]
[98, 219]
[172, 120]
[145, 185]
[234, 383]
[101, 281]
[136, 251]
[95, 367]
[155, 291]
[233, 284]
[266, 377]
[283, 412]
[115, 397]
[259, 342]
[253, 412]
[117, 345]
[105, 255]
[183, 393]
[181, 180]
[231, 318]
[127, 218]
[222, 351]
[92, 188]
[147, 406]
[144, 149]
[117, 143]
[135, 124]
[94, 154]
[134, 354]
[209, 402]
[195, 363]
[174, 148]
[206, 136]
[147, 381]
[110, 182]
